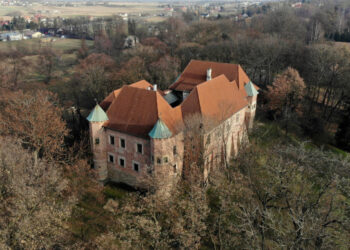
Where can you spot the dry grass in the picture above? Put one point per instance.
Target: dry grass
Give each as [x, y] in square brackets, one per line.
[62, 45]
[343, 45]
[82, 10]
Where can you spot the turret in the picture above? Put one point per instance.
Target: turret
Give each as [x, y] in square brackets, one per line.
[159, 135]
[97, 118]
[252, 99]
[166, 153]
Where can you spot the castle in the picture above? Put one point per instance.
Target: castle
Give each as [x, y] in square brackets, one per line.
[138, 130]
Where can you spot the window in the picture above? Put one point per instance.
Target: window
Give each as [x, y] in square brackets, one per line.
[97, 141]
[152, 158]
[174, 168]
[139, 148]
[165, 159]
[174, 150]
[159, 161]
[136, 166]
[111, 139]
[122, 143]
[111, 158]
[122, 162]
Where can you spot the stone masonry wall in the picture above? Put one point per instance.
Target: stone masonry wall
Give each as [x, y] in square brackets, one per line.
[167, 155]
[127, 174]
[98, 147]
[223, 141]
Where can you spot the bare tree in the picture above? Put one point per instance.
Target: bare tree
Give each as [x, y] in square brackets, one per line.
[285, 95]
[35, 119]
[33, 201]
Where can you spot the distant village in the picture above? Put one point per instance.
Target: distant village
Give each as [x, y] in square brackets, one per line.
[49, 23]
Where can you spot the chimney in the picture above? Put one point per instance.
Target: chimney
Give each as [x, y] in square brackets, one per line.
[155, 87]
[209, 74]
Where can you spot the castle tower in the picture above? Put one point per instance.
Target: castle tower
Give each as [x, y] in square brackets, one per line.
[96, 119]
[252, 99]
[165, 161]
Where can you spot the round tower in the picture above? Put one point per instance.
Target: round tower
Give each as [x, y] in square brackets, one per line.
[164, 163]
[97, 118]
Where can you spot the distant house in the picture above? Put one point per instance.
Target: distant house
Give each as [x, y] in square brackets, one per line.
[32, 34]
[131, 42]
[297, 5]
[137, 131]
[11, 36]
[37, 35]
[205, 15]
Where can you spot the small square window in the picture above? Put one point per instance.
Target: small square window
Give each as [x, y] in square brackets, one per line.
[121, 162]
[136, 166]
[165, 159]
[122, 143]
[139, 148]
[159, 161]
[111, 158]
[111, 139]
[97, 141]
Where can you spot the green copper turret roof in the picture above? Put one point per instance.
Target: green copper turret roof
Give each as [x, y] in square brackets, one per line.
[250, 89]
[97, 115]
[160, 131]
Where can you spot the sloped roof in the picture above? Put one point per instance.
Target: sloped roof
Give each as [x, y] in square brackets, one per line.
[97, 115]
[218, 98]
[109, 99]
[250, 89]
[196, 73]
[136, 110]
[160, 131]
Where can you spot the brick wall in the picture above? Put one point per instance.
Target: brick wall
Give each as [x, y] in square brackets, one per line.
[129, 154]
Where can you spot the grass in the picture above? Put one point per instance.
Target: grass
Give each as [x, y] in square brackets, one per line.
[269, 134]
[62, 45]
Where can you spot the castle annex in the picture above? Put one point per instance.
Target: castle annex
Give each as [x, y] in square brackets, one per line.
[138, 130]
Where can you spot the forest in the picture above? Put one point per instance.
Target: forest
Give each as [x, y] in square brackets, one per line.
[288, 188]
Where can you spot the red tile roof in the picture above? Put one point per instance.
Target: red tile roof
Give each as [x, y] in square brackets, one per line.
[109, 99]
[134, 109]
[196, 73]
[216, 99]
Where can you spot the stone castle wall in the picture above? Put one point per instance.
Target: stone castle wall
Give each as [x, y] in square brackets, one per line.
[127, 174]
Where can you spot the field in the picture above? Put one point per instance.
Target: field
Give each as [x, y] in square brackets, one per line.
[62, 45]
[83, 10]
[343, 45]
